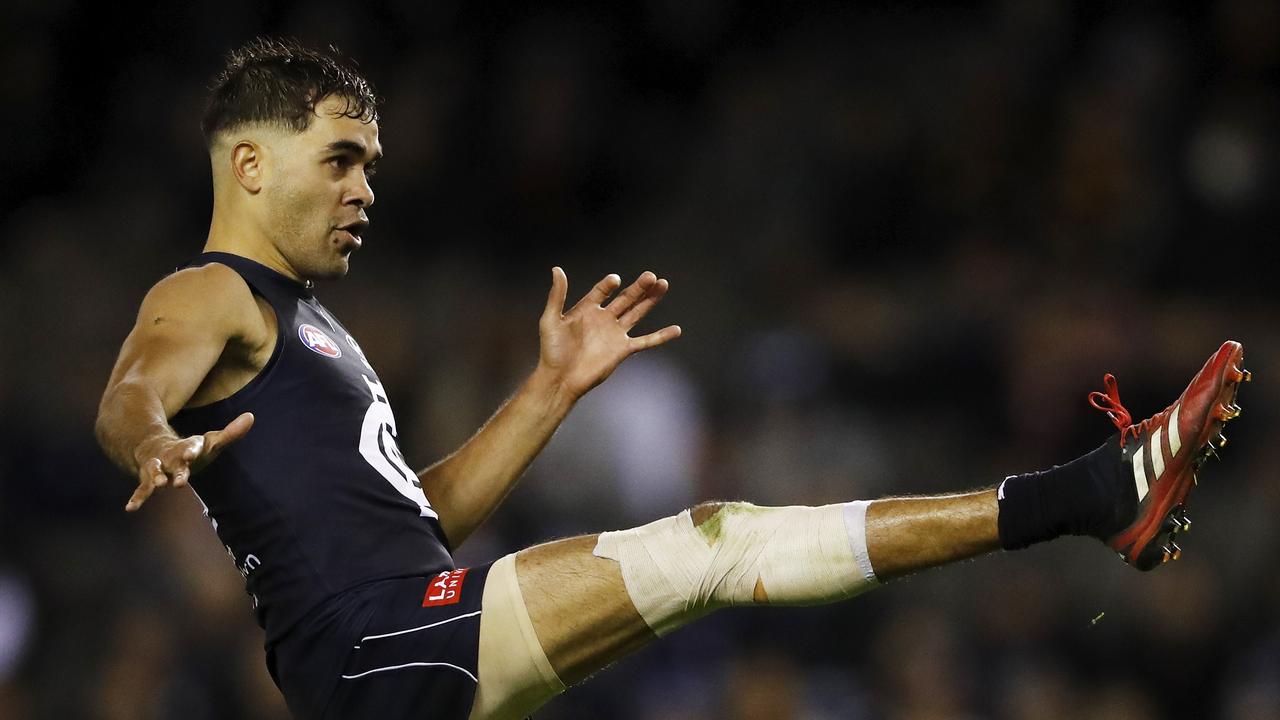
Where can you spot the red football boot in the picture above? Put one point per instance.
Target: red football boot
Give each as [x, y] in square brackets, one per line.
[1164, 452]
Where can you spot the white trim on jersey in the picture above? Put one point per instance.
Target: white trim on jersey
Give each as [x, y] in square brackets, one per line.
[464, 671]
[410, 630]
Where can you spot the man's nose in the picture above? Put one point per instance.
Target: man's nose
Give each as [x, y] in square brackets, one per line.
[361, 194]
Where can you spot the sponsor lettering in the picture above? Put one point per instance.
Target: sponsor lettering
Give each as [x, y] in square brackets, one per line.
[445, 588]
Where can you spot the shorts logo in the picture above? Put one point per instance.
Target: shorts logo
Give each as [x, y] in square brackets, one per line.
[318, 342]
[445, 588]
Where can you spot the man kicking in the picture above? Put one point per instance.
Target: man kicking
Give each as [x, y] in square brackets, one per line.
[237, 380]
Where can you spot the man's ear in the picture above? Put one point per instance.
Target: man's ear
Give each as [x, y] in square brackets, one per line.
[247, 165]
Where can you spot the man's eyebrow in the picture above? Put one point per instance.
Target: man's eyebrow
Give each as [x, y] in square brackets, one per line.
[350, 146]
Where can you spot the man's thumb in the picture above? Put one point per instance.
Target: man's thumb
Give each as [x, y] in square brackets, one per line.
[236, 429]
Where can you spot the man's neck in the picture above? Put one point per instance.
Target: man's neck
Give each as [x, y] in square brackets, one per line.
[239, 238]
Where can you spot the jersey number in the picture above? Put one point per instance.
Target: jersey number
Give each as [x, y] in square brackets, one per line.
[379, 449]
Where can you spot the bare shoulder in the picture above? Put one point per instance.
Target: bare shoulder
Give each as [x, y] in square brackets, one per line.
[213, 295]
[207, 285]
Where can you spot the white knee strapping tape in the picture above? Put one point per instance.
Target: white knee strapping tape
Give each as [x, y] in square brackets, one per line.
[675, 572]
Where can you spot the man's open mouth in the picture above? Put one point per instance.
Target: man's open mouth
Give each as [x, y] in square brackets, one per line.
[349, 235]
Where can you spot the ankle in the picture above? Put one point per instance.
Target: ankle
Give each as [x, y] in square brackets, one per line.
[1082, 497]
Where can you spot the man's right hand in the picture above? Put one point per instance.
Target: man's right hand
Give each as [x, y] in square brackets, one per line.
[166, 460]
[188, 323]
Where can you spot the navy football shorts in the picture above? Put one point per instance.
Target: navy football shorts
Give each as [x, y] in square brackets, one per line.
[402, 648]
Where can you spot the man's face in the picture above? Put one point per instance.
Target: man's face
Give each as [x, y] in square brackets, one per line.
[318, 191]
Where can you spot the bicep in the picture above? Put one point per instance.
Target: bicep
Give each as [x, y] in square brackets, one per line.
[172, 361]
[182, 329]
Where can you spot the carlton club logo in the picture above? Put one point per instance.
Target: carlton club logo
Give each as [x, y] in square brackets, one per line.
[318, 342]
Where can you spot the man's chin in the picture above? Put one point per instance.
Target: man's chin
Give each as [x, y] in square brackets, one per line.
[335, 272]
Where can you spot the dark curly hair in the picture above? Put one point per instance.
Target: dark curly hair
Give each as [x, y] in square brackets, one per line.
[279, 81]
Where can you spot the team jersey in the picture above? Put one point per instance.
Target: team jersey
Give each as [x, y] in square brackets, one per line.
[316, 498]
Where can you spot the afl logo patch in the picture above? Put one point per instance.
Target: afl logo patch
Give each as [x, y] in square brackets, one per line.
[318, 342]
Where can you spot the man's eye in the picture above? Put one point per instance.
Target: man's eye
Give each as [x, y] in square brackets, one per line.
[340, 163]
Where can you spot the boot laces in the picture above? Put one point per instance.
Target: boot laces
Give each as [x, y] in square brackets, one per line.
[1109, 403]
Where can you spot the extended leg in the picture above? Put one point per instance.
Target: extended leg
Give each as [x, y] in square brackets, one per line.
[579, 607]
[909, 534]
[584, 618]
[585, 602]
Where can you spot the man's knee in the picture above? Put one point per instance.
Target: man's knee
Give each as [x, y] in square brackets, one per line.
[736, 553]
[708, 519]
[715, 520]
[703, 512]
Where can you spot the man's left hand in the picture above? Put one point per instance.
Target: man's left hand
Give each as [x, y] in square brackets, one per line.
[582, 347]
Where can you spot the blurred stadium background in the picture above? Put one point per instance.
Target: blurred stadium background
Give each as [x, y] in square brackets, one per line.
[905, 240]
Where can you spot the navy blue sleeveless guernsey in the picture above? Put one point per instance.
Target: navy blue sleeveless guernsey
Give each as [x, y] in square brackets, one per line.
[316, 499]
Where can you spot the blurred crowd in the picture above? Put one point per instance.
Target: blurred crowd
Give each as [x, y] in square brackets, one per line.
[904, 242]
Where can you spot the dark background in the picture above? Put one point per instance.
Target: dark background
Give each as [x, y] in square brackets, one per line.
[905, 240]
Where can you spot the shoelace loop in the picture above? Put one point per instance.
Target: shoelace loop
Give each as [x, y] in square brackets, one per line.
[1109, 403]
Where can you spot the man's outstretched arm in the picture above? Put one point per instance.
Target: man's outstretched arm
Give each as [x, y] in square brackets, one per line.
[183, 327]
[579, 349]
